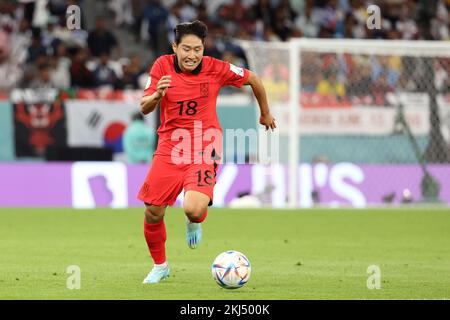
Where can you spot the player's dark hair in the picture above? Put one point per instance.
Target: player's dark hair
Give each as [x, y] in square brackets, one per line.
[196, 28]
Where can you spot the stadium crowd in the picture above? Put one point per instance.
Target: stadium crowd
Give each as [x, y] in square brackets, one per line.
[37, 50]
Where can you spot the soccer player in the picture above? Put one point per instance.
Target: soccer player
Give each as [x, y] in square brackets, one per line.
[186, 85]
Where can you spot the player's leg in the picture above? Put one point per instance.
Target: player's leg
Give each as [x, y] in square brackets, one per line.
[155, 232]
[199, 189]
[160, 189]
[155, 236]
[195, 206]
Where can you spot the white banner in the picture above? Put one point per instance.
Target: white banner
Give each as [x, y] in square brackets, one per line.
[359, 119]
[356, 120]
[97, 123]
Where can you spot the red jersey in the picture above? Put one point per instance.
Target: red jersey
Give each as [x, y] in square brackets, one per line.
[188, 109]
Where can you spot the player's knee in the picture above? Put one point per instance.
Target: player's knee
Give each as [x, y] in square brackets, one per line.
[154, 214]
[194, 211]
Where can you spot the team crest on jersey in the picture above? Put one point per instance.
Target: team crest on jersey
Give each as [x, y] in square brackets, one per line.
[239, 71]
[204, 89]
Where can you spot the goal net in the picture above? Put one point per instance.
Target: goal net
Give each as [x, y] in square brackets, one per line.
[361, 122]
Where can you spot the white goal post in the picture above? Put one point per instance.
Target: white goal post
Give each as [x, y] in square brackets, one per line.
[303, 64]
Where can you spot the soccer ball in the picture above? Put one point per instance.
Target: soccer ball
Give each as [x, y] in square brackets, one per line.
[231, 269]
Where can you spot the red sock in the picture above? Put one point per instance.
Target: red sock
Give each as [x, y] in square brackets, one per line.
[202, 218]
[155, 235]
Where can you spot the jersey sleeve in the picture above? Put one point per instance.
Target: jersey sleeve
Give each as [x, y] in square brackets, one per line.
[232, 75]
[153, 78]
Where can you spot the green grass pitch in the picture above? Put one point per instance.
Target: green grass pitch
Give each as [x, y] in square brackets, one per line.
[301, 254]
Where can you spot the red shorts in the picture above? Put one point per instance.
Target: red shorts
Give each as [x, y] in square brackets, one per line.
[165, 180]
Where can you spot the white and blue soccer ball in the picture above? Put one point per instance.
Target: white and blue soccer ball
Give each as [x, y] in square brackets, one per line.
[231, 269]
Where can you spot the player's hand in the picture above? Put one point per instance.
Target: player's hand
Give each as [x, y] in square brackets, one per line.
[268, 121]
[163, 84]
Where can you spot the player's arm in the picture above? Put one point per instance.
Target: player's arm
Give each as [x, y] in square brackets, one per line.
[149, 103]
[266, 119]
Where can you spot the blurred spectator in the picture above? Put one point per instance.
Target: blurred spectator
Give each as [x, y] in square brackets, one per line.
[135, 67]
[48, 34]
[104, 74]
[7, 16]
[132, 73]
[43, 80]
[60, 50]
[359, 11]
[298, 5]
[379, 88]
[41, 14]
[232, 16]
[80, 75]
[281, 25]
[139, 141]
[276, 78]
[31, 70]
[270, 35]
[58, 7]
[289, 12]
[440, 26]
[389, 66]
[10, 72]
[60, 68]
[156, 15]
[173, 19]
[188, 11]
[360, 82]
[123, 12]
[20, 41]
[211, 48]
[127, 81]
[406, 25]
[36, 48]
[101, 40]
[309, 77]
[442, 75]
[330, 15]
[393, 34]
[263, 11]
[202, 14]
[349, 28]
[137, 9]
[308, 21]
[329, 85]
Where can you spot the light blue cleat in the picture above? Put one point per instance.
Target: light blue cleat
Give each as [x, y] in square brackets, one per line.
[193, 234]
[157, 274]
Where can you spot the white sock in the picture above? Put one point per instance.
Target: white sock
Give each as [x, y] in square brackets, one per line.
[161, 265]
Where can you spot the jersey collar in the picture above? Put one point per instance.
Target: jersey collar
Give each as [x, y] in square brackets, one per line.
[178, 69]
